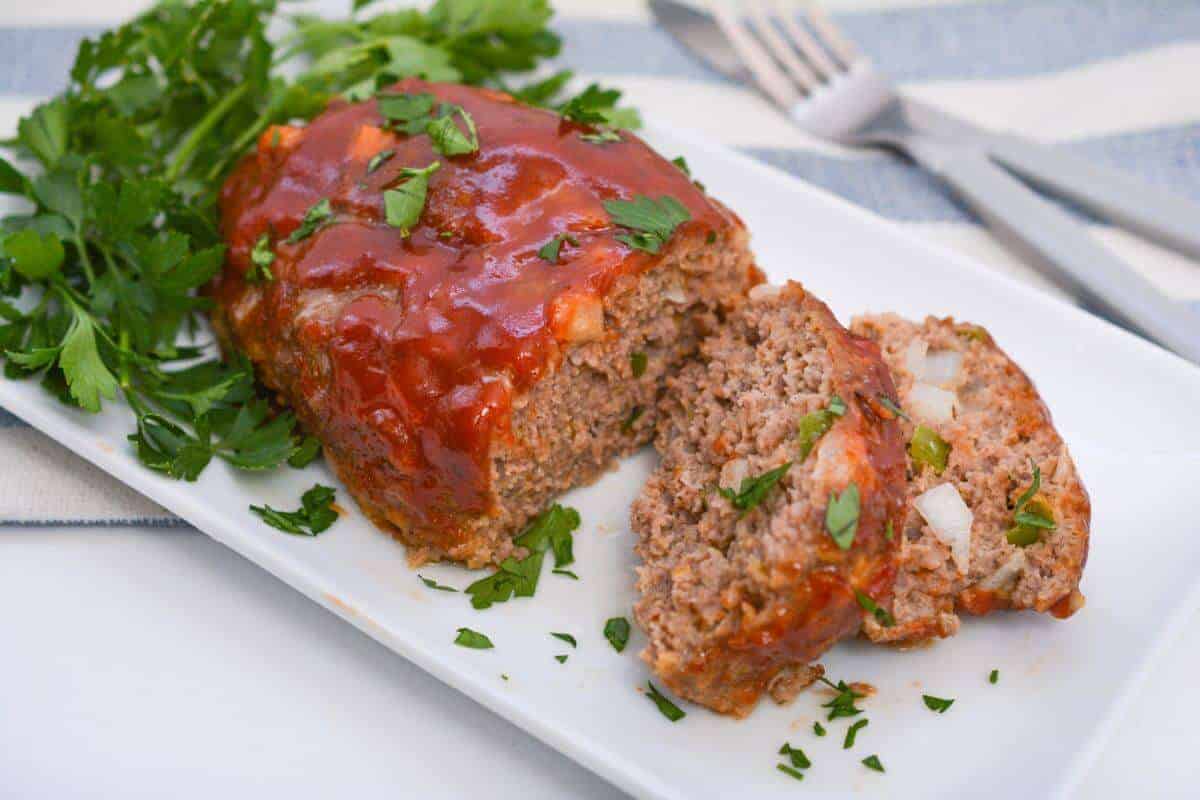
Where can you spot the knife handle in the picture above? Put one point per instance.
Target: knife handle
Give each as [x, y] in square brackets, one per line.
[1110, 194]
[1062, 247]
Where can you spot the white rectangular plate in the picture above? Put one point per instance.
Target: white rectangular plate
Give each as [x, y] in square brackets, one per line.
[1125, 407]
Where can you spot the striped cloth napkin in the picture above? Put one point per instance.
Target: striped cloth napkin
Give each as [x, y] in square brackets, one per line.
[1113, 80]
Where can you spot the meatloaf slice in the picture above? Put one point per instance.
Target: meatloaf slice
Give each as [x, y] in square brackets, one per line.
[509, 344]
[763, 532]
[979, 535]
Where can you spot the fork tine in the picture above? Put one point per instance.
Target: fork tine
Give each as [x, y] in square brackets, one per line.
[805, 43]
[842, 48]
[779, 47]
[770, 78]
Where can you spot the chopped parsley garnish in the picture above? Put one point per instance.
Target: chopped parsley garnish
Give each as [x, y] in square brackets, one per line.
[1032, 515]
[841, 516]
[852, 733]
[379, 159]
[842, 705]
[753, 490]
[889, 532]
[404, 204]
[261, 259]
[449, 139]
[316, 217]
[561, 659]
[406, 113]
[550, 250]
[550, 531]
[928, 448]
[665, 706]
[315, 515]
[882, 615]
[616, 630]
[872, 762]
[565, 637]
[795, 755]
[432, 584]
[566, 573]
[638, 362]
[473, 639]
[682, 163]
[597, 106]
[892, 406]
[631, 420]
[938, 704]
[786, 770]
[308, 451]
[652, 221]
[601, 137]
[815, 425]
[994, 676]
[818, 729]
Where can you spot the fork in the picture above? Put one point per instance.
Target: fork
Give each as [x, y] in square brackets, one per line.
[812, 71]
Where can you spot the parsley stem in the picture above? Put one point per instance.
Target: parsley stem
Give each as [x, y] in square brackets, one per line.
[87, 259]
[184, 154]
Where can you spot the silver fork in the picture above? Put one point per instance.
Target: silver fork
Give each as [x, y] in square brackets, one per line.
[810, 70]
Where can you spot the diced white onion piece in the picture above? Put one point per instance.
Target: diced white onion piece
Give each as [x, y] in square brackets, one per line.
[675, 294]
[941, 367]
[931, 404]
[733, 473]
[1006, 574]
[914, 358]
[764, 291]
[950, 520]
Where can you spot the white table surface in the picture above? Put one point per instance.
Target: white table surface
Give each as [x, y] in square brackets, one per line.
[156, 663]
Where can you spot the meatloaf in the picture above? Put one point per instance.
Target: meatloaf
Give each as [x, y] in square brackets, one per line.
[998, 516]
[505, 347]
[764, 532]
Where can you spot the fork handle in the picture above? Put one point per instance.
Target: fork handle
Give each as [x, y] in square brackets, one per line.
[1156, 214]
[1061, 247]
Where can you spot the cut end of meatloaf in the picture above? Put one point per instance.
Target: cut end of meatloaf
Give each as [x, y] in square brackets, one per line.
[737, 596]
[462, 370]
[958, 387]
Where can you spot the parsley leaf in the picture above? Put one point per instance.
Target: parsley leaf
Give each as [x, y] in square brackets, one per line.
[818, 729]
[753, 490]
[841, 516]
[561, 659]
[652, 221]
[406, 113]
[637, 363]
[616, 630]
[872, 762]
[852, 733]
[786, 770]
[566, 637]
[317, 217]
[682, 163]
[795, 755]
[472, 639]
[34, 255]
[631, 420]
[550, 531]
[379, 159]
[566, 573]
[842, 704]
[938, 704]
[448, 138]
[665, 706]
[994, 676]
[815, 425]
[261, 259]
[308, 451]
[315, 515]
[598, 106]
[1031, 515]
[892, 406]
[403, 205]
[432, 584]
[550, 250]
[882, 615]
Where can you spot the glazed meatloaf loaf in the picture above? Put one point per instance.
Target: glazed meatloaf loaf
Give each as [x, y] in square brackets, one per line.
[998, 517]
[508, 344]
[764, 531]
